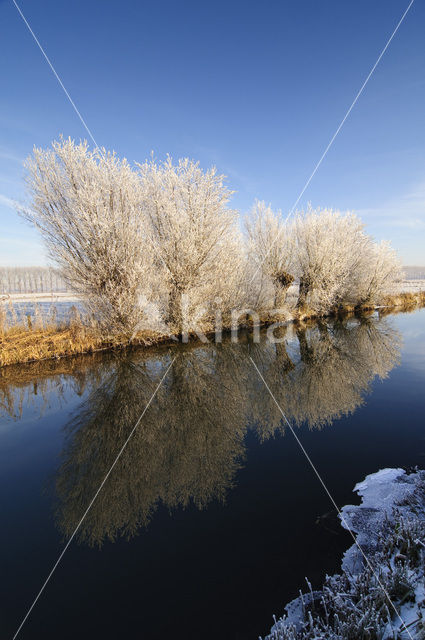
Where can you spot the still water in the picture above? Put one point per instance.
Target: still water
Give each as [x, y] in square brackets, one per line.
[212, 517]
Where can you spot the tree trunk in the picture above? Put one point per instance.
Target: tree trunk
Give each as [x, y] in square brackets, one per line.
[305, 350]
[323, 330]
[280, 296]
[285, 362]
[305, 286]
[282, 284]
[174, 316]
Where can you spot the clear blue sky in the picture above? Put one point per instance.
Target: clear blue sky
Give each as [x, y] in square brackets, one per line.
[256, 88]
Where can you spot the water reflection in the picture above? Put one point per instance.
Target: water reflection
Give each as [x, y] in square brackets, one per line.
[334, 367]
[188, 446]
[190, 443]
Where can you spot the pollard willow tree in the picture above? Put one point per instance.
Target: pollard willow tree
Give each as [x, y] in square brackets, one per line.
[337, 261]
[87, 206]
[271, 248]
[195, 238]
[382, 271]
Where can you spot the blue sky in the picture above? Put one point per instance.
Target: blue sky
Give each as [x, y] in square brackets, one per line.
[256, 88]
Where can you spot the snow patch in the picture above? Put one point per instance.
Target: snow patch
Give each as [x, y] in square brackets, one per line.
[389, 525]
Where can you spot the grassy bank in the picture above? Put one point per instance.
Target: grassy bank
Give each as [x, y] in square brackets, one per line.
[19, 344]
[41, 340]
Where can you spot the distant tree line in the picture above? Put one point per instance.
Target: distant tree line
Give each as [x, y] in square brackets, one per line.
[128, 239]
[30, 280]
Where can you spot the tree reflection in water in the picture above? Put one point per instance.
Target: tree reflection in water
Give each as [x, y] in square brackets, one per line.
[190, 443]
[188, 446]
[335, 366]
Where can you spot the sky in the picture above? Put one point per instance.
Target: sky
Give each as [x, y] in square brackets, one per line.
[255, 88]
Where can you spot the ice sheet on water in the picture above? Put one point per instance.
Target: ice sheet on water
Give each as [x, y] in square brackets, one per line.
[380, 493]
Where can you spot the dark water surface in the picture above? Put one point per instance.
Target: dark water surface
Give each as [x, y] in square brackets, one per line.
[212, 517]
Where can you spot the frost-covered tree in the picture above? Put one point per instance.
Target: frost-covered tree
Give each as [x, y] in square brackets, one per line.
[163, 235]
[87, 206]
[330, 249]
[380, 272]
[271, 248]
[194, 235]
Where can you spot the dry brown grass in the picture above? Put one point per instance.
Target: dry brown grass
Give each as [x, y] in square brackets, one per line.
[20, 345]
[39, 337]
[405, 301]
[23, 345]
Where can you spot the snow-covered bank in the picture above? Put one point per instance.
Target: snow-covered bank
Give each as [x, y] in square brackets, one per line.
[389, 525]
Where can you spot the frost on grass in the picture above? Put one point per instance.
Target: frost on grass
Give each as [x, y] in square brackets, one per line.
[389, 525]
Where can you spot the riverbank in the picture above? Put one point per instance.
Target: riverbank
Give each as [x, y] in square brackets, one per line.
[383, 597]
[40, 339]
